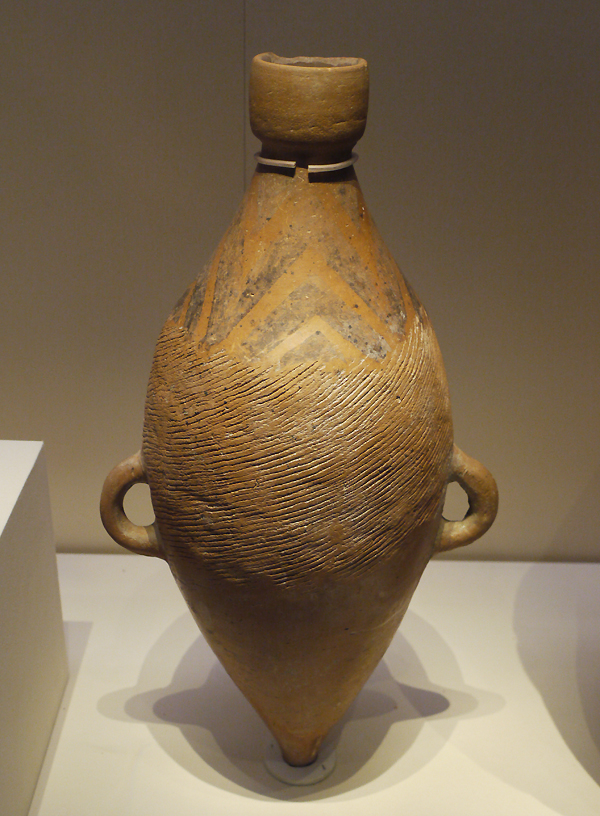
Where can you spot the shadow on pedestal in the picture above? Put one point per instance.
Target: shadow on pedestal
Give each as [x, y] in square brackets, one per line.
[214, 733]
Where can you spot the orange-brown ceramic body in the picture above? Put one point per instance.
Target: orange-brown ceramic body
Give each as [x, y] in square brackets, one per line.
[298, 444]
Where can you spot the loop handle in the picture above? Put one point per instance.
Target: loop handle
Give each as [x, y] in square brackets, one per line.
[141, 540]
[480, 487]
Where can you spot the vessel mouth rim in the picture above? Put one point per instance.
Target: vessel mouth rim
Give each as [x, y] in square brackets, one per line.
[323, 63]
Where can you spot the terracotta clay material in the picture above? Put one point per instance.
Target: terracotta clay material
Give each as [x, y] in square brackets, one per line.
[297, 438]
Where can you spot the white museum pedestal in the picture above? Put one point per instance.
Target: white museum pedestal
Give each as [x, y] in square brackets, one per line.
[487, 702]
[33, 661]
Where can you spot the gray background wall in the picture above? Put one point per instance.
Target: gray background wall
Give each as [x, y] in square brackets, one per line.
[124, 155]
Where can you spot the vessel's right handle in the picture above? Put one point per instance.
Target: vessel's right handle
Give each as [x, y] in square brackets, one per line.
[480, 487]
[138, 539]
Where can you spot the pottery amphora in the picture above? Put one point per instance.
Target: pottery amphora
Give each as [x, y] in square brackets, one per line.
[297, 438]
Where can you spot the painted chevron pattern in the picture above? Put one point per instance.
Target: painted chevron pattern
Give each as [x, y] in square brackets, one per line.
[294, 280]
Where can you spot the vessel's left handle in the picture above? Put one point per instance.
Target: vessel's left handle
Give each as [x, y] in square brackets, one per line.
[138, 539]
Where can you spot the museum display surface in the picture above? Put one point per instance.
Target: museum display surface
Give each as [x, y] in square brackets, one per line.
[297, 439]
[485, 702]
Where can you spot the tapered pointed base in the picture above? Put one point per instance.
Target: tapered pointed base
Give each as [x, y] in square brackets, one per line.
[297, 750]
[311, 774]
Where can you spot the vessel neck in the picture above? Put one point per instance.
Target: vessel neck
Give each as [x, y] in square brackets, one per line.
[266, 177]
[306, 154]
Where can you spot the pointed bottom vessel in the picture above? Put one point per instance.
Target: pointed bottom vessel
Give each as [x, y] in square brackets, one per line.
[297, 436]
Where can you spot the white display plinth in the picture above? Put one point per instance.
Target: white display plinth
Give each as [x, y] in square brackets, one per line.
[486, 704]
[33, 664]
